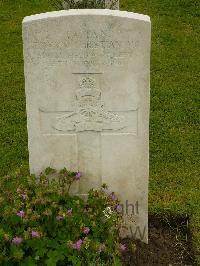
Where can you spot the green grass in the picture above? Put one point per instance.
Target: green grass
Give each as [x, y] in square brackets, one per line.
[174, 165]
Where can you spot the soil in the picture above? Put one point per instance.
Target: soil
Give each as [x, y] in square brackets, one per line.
[169, 244]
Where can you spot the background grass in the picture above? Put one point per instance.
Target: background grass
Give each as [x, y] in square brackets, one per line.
[174, 142]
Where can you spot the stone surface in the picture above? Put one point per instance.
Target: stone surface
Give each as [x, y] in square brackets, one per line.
[109, 4]
[87, 97]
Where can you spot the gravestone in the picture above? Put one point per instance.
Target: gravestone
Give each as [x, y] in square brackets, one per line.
[87, 98]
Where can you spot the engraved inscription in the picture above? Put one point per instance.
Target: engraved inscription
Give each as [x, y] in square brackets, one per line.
[89, 113]
[86, 47]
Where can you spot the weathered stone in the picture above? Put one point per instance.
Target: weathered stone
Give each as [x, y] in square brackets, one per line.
[87, 91]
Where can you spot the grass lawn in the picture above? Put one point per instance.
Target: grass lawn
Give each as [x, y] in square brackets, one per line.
[174, 162]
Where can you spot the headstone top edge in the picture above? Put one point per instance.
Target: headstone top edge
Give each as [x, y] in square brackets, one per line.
[79, 12]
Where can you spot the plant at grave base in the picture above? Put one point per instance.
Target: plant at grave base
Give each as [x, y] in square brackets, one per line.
[42, 224]
[83, 4]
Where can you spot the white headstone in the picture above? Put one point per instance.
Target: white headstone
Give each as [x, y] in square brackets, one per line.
[87, 92]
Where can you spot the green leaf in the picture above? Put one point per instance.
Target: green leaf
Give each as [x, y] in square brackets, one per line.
[51, 262]
[49, 171]
[29, 261]
[41, 252]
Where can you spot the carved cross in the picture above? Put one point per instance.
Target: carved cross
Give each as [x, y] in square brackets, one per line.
[89, 122]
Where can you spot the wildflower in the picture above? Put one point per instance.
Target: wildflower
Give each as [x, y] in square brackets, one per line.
[113, 196]
[122, 247]
[59, 217]
[77, 245]
[86, 230]
[17, 240]
[21, 214]
[119, 208]
[35, 234]
[78, 176]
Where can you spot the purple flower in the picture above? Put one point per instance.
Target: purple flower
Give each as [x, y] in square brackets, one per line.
[35, 234]
[86, 230]
[119, 208]
[122, 247]
[77, 245]
[78, 176]
[21, 214]
[113, 196]
[17, 240]
[69, 211]
[59, 217]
